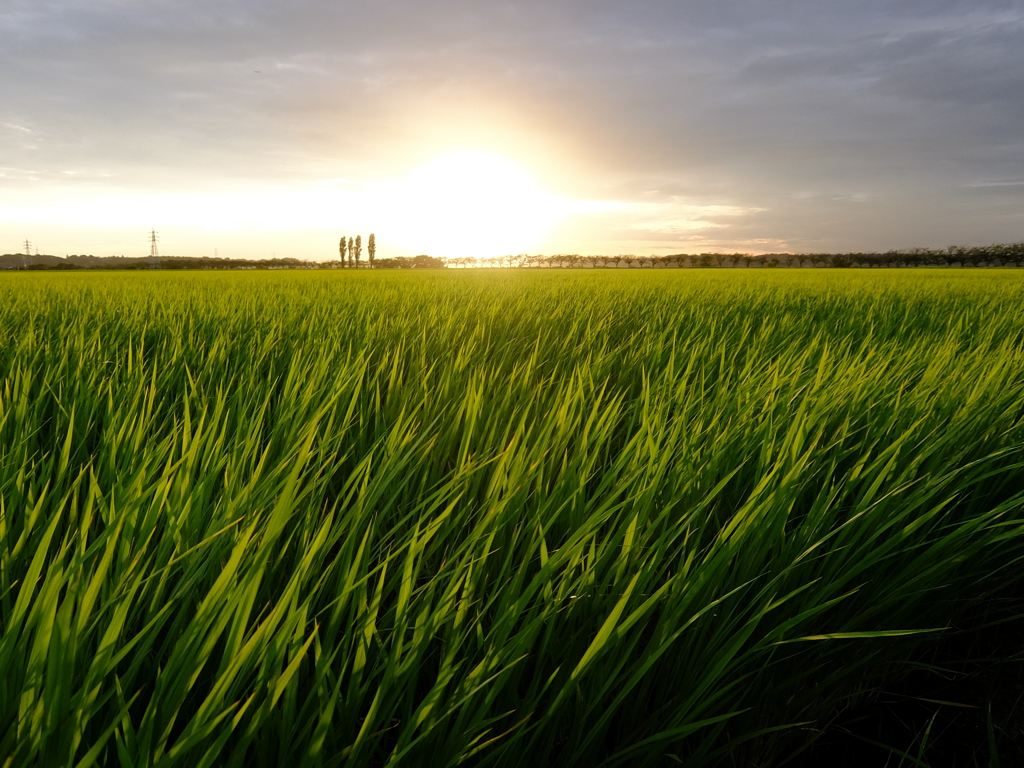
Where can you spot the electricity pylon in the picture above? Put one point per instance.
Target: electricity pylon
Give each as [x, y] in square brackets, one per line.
[154, 255]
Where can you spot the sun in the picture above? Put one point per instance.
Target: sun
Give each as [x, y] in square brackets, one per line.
[470, 204]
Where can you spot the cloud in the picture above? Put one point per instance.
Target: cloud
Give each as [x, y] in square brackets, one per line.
[837, 124]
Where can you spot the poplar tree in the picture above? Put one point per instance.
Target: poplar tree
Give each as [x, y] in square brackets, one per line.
[342, 248]
[371, 248]
[359, 249]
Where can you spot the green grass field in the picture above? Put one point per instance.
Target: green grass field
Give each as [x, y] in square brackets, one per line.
[493, 518]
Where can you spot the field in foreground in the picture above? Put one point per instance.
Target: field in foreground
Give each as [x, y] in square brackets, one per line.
[496, 519]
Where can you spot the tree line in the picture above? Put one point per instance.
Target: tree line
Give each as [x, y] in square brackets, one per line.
[1003, 255]
[351, 249]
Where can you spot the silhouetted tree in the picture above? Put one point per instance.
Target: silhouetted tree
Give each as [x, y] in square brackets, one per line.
[371, 248]
[351, 252]
[427, 262]
[359, 249]
[342, 248]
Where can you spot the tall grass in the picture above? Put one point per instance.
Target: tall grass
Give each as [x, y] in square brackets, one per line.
[497, 519]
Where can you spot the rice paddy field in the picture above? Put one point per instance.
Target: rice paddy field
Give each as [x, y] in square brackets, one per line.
[499, 518]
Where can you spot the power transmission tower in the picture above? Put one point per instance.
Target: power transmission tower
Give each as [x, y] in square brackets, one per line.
[154, 255]
[27, 255]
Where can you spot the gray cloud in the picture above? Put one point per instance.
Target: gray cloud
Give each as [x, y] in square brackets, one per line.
[843, 125]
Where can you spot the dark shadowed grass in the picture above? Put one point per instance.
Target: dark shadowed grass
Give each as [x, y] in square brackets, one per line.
[495, 518]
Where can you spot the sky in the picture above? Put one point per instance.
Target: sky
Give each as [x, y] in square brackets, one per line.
[260, 128]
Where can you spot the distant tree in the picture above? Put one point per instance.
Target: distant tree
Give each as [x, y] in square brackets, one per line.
[371, 248]
[424, 261]
[351, 252]
[359, 249]
[342, 249]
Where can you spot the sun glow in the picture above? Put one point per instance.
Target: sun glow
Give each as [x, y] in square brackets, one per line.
[471, 204]
[463, 204]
